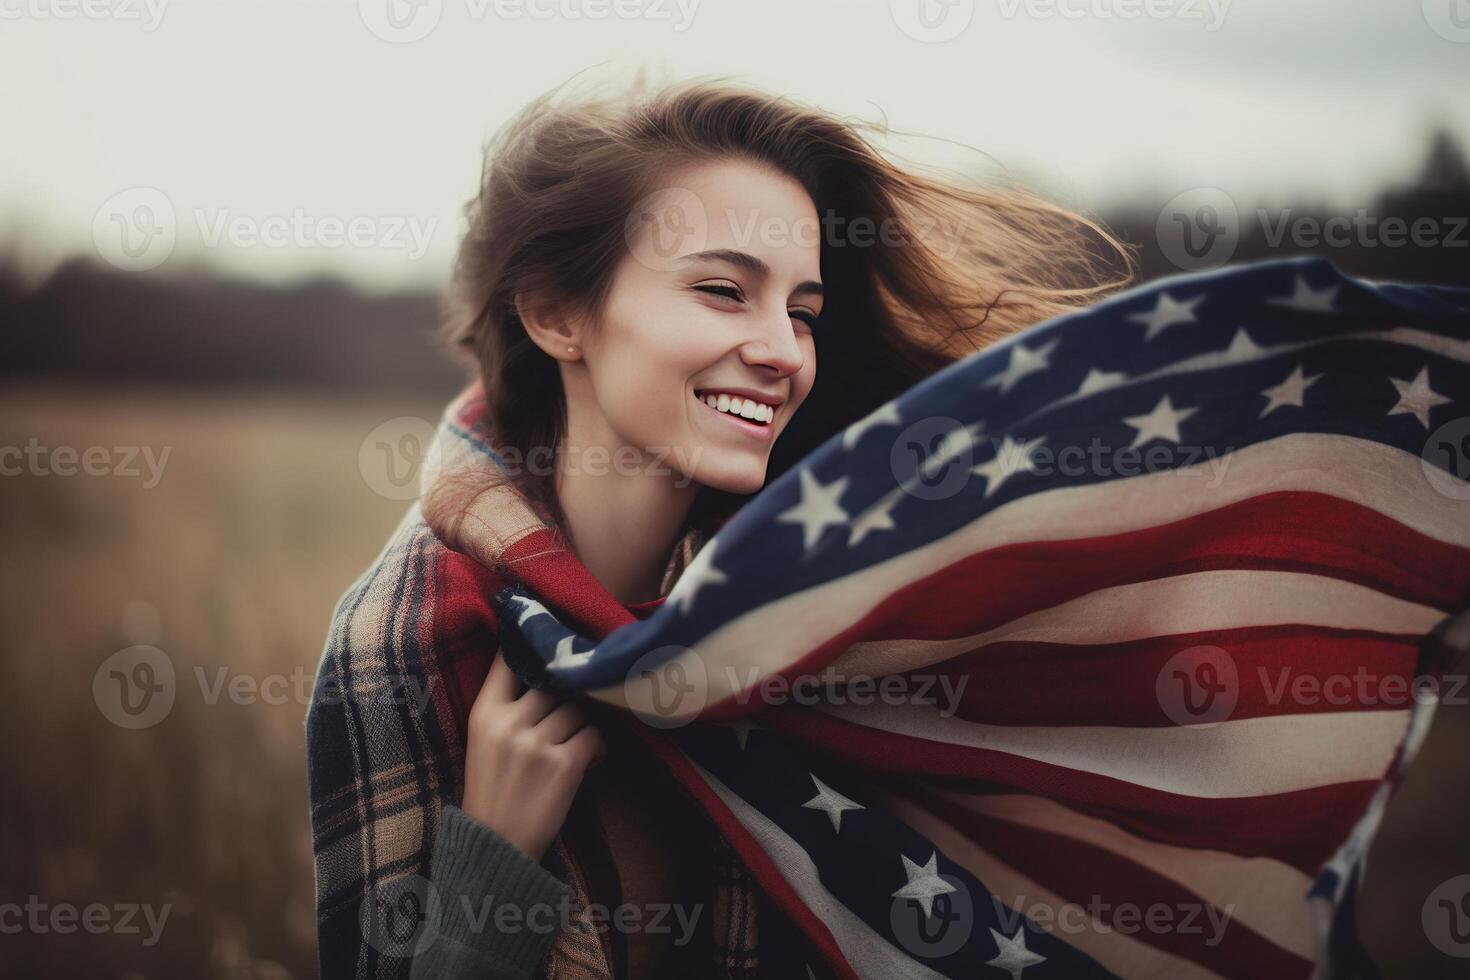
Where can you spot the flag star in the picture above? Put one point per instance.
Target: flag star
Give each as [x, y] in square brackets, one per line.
[817, 509]
[566, 658]
[1012, 955]
[959, 440]
[1416, 398]
[887, 415]
[1100, 381]
[1161, 423]
[699, 573]
[875, 518]
[1289, 392]
[1242, 348]
[830, 802]
[1305, 299]
[1011, 458]
[1166, 313]
[742, 728]
[924, 882]
[1023, 361]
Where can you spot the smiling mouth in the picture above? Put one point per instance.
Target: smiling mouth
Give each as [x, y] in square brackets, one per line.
[758, 424]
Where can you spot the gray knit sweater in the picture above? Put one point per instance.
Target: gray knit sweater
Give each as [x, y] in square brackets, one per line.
[497, 912]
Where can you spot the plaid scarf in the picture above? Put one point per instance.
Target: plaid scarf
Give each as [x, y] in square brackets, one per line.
[409, 646]
[480, 507]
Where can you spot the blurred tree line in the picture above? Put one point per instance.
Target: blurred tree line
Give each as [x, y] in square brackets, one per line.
[89, 322]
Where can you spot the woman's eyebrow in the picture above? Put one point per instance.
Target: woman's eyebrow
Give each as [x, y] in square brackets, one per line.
[751, 263]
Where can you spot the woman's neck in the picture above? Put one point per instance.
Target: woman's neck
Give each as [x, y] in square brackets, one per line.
[623, 520]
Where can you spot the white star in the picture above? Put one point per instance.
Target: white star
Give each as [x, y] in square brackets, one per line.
[1306, 299]
[1012, 955]
[1161, 423]
[1023, 361]
[1289, 392]
[742, 727]
[959, 440]
[1242, 348]
[699, 573]
[924, 882]
[830, 802]
[887, 415]
[1100, 381]
[1011, 458]
[1165, 314]
[875, 518]
[566, 658]
[1416, 398]
[817, 509]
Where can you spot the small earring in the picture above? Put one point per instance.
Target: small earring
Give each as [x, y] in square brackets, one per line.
[571, 350]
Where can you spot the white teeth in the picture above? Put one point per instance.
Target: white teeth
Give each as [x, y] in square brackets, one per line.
[743, 407]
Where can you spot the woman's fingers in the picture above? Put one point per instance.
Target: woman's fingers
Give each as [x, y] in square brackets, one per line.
[562, 722]
[531, 707]
[585, 746]
[500, 683]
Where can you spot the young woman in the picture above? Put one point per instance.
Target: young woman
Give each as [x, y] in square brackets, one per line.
[706, 282]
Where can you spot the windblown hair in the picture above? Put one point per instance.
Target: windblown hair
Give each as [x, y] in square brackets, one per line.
[969, 263]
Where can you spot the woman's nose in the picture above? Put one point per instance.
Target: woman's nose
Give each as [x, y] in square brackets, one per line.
[774, 345]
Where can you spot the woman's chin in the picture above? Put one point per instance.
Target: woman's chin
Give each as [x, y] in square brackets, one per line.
[734, 479]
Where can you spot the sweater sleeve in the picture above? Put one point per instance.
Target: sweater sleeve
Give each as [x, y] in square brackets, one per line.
[498, 909]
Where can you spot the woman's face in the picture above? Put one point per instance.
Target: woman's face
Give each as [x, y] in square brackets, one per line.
[712, 303]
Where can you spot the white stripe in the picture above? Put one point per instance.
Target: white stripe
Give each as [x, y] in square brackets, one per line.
[1382, 478]
[1267, 896]
[1233, 759]
[1197, 602]
[868, 953]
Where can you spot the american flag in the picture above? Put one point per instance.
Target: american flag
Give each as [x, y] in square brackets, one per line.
[1098, 653]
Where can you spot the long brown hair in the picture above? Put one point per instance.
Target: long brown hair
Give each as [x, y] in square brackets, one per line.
[960, 265]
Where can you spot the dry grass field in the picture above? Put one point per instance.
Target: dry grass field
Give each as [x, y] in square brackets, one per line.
[233, 562]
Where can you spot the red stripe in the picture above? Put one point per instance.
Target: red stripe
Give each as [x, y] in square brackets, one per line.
[1300, 828]
[1077, 871]
[1290, 531]
[1278, 670]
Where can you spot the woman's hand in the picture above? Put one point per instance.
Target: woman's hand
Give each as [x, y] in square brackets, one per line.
[525, 759]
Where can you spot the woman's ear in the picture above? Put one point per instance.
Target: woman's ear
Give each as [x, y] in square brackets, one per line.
[550, 327]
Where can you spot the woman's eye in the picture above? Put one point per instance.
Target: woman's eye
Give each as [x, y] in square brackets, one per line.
[733, 293]
[718, 289]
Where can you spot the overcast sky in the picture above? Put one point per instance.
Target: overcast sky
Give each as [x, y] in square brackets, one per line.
[219, 119]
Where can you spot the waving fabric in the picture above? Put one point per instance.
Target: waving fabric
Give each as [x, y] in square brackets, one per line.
[1096, 654]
